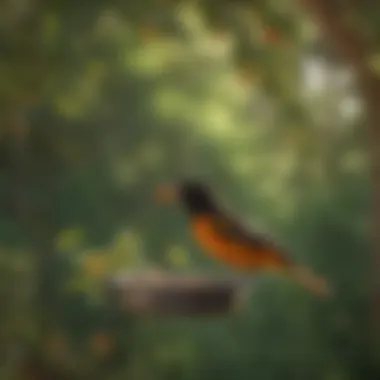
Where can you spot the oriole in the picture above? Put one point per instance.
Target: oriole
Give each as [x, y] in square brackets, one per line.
[224, 238]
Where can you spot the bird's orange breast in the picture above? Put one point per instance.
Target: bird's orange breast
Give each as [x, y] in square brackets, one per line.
[234, 252]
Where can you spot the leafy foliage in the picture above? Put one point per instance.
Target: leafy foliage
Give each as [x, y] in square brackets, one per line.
[100, 101]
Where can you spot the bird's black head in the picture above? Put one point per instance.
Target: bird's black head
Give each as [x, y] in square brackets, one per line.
[196, 197]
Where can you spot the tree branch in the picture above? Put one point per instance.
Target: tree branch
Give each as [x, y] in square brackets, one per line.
[334, 24]
[355, 49]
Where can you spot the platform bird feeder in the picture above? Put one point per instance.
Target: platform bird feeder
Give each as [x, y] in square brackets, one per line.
[166, 294]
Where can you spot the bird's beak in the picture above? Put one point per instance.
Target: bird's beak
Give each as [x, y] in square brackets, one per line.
[166, 193]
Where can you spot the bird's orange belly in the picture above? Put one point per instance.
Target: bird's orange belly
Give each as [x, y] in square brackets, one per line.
[234, 253]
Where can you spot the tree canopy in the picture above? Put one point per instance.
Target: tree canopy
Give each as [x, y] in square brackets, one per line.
[102, 100]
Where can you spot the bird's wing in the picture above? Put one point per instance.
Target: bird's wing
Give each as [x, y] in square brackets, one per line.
[234, 230]
[257, 241]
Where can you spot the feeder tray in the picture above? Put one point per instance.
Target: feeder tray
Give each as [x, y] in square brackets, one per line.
[160, 293]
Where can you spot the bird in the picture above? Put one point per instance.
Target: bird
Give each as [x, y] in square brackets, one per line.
[223, 237]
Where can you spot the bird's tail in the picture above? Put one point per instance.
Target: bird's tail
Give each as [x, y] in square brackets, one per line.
[309, 280]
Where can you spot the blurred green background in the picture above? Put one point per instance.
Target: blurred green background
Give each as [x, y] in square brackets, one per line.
[100, 101]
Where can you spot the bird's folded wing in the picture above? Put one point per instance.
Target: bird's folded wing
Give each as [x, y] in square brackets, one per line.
[233, 230]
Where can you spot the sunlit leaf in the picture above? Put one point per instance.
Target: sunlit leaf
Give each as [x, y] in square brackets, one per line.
[126, 250]
[70, 239]
[95, 264]
[178, 256]
[127, 241]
